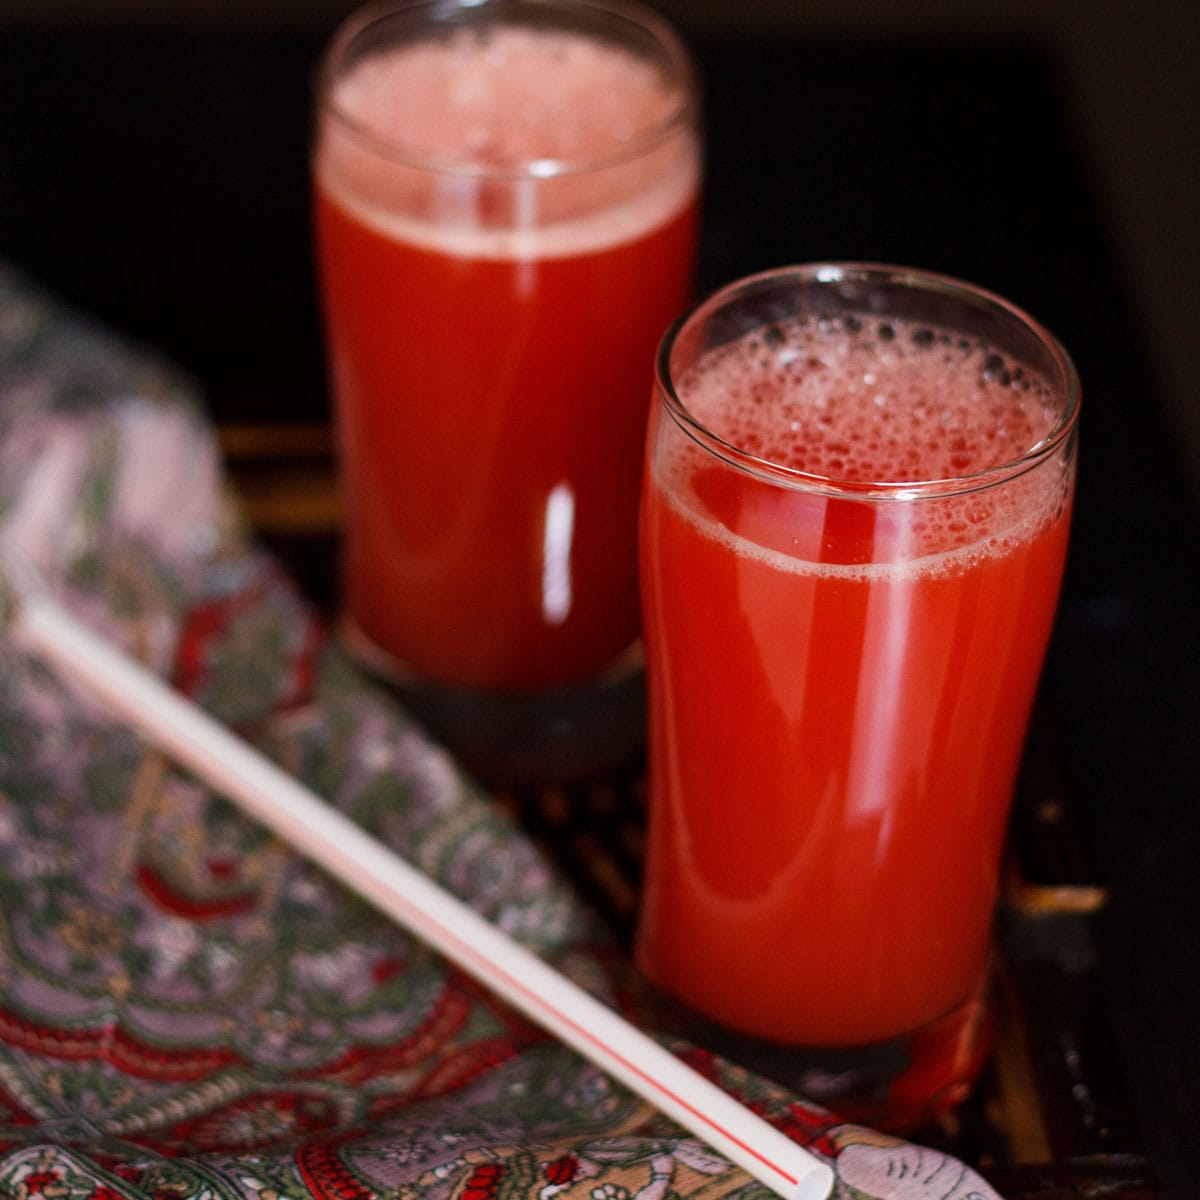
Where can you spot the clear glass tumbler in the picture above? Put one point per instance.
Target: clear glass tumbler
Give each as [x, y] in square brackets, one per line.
[854, 525]
[506, 199]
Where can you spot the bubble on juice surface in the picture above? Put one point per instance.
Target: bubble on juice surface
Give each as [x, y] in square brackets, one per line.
[853, 400]
[518, 100]
[507, 96]
[900, 404]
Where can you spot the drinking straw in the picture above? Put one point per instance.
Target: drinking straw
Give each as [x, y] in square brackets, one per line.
[233, 768]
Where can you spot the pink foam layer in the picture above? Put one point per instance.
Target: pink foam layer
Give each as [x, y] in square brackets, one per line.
[509, 98]
[470, 133]
[911, 404]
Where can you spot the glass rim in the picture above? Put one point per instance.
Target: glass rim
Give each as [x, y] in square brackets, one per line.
[917, 279]
[675, 55]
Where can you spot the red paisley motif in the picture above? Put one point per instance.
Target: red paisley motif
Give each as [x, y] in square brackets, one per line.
[36, 1182]
[357, 1064]
[561, 1171]
[201, 627]
[253, 1122]
[483, 1182]
[464, 1066]
[195, 908]
[114, 1044]
[321, 1167]
[206, 623]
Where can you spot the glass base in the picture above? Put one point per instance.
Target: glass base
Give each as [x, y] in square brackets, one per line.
[897, 1085]
[522, 739]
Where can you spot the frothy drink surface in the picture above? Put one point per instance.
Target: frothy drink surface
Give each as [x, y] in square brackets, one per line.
[516, 100]
[508, 97]
[871, 401]
[892, 403]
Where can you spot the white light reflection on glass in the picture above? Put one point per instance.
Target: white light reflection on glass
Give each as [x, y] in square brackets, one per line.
[557, 537]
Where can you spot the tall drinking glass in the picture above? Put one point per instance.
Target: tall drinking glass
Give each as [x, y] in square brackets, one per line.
[506, 202]
[853, 532]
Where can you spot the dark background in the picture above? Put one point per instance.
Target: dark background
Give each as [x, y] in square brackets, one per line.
[153, 173]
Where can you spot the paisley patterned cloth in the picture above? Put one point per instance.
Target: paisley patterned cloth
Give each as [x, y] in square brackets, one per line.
[189, 1010]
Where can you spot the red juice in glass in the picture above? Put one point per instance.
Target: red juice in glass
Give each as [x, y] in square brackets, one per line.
[853, 532]
[506, 209]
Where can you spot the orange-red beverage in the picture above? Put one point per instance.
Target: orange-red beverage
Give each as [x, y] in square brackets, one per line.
[854, 527]
[506, 218]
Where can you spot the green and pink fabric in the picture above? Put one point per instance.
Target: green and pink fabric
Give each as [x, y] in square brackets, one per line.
[188, 1009]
